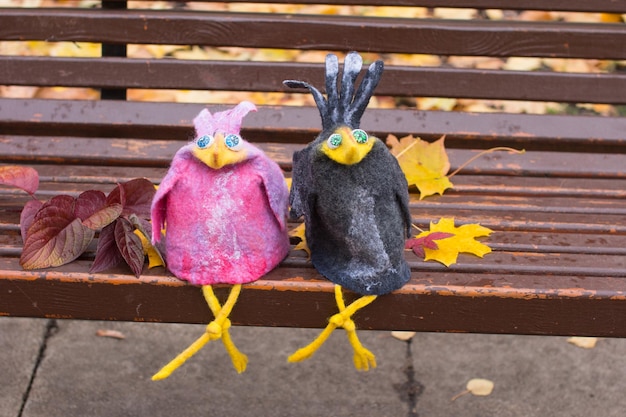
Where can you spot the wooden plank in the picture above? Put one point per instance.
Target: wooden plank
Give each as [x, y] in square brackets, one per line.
[268, 77]
[609, 6]
[527, 204]
[432, 301]
[155, 153]
[308, 32]
[469, 186]
[301, 124]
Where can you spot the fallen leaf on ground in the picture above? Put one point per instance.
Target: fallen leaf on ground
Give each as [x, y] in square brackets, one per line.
[462, 240]
[583, 342]
[114, 334]
[424, 164]
[404, 336]
[479, 387]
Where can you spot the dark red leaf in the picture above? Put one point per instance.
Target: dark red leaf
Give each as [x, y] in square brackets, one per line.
[129, 245]
[135, 196]
[139, 195]
[28, 216]
[418, 244]
[88, 203]
[55, 236]
[25, 178]
[107, 253]
[92, 209]
[143, 225]
[439, 235]
[117, 196]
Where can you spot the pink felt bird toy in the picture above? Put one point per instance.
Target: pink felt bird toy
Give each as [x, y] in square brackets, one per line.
[223, 203]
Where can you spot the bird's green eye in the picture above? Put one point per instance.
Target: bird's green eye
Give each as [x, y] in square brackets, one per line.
[334, 141]
[359, 135]
[233, 142]
[204, 141]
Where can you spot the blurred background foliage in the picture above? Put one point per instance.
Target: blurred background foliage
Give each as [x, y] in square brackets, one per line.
[76, 49]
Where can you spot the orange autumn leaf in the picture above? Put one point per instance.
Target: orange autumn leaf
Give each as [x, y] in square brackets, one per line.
[610, 18]
[461, 239]
[424, 164]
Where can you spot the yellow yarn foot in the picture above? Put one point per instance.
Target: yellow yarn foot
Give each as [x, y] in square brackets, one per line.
[239, 360]
[363, 358]
[217, 329]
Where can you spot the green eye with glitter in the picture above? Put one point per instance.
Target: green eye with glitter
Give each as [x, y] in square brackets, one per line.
[334, 141]
[359, 135]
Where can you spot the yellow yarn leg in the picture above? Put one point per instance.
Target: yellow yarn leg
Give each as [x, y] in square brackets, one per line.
[216, 329]
[182, 358]
[239, 360]
[363, 358]
[308, 351]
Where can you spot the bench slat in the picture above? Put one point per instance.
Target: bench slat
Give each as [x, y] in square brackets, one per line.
[301, 124]
[562, 5]
[155, 153]
[522, 191]
[470, 186]
[310, 32]
[268, 77]
[432, 301]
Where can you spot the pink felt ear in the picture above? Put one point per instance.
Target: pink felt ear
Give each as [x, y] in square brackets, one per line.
[204, 123]
[228, 121]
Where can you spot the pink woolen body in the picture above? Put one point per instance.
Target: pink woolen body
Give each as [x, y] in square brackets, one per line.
[223, 226]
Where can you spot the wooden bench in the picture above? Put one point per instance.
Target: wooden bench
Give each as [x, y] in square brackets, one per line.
[558, 212]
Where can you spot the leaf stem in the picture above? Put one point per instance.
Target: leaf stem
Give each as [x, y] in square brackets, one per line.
[421, 231]
[460, 394]
[406, 149]
[485, 152]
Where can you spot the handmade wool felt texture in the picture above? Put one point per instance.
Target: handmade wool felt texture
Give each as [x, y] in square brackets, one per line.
[357, 216]
[223, 204]
[224, 225]
[354, 199]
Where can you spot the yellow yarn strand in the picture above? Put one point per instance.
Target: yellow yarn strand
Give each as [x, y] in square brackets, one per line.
[363, 358]
[216, 329]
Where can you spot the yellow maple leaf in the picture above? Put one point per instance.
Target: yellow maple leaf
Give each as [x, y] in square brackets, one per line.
[424, 164]
[299, 233]
[463, 240]
[154, 257]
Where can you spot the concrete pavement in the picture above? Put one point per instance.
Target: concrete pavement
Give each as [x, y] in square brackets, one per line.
[62, 368]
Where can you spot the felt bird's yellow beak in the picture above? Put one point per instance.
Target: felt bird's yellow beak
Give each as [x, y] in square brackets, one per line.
[349, 151]
[218, 155]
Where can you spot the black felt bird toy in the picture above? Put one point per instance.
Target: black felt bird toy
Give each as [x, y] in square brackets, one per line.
[354, 199]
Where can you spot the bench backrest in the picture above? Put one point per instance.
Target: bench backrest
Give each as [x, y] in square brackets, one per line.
[268, 46]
